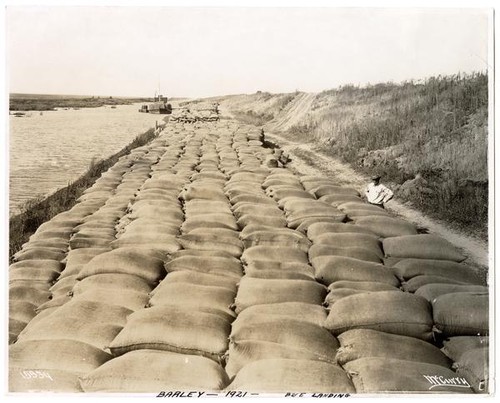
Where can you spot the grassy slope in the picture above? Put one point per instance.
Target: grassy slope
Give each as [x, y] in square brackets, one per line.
[428, 139]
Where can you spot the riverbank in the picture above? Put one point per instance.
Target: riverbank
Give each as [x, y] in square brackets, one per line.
[38, 211]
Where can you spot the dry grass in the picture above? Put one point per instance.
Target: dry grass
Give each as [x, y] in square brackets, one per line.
[436, 129]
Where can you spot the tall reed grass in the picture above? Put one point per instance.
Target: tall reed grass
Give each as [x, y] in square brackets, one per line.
[436, 129]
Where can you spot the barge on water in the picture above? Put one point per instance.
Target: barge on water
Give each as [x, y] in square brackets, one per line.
[159, 106]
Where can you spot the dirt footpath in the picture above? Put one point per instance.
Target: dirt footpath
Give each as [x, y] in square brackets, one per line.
[294, 112]
[307, 161]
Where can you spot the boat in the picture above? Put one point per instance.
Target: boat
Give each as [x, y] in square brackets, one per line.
[159, 106]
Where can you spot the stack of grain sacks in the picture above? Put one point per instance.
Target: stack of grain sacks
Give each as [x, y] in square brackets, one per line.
[198, 262]
[389, 330]
[430, 267]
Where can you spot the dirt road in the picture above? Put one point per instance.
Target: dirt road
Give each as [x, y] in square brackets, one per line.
[293, 113]
[306, 160]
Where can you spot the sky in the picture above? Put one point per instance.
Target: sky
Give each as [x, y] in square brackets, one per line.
[201, 51]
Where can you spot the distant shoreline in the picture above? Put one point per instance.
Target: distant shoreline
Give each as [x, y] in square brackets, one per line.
[26, 102]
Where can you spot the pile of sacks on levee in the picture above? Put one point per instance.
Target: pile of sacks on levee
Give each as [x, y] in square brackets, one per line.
[192, 113]
[198, 262]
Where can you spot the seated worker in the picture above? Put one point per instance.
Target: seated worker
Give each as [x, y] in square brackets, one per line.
[376, 193]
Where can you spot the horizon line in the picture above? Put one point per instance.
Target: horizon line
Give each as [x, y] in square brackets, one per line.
[359, 85]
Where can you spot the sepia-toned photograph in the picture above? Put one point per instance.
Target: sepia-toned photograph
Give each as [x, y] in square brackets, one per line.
[249, 200]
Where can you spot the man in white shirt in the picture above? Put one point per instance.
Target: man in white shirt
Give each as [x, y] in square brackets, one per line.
[376, 193]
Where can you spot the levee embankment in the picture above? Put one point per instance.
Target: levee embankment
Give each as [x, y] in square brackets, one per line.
[201, 262]
[429, 139]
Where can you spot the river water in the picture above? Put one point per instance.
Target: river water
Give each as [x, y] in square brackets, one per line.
[49, 150]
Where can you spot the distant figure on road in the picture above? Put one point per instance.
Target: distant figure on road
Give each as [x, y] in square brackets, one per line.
[376, 193]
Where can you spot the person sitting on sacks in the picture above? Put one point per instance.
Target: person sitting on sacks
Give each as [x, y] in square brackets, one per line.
[376, 193]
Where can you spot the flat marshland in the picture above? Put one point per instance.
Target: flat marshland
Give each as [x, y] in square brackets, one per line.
[40, 102]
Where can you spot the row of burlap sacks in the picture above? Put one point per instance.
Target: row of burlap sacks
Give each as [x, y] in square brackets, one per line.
[195, 112]
[390, 286]
[278, 342]
[185, 116]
